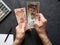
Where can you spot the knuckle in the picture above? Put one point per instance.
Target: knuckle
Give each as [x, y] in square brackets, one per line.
[45, 21]
[17, 27]
[23, 31]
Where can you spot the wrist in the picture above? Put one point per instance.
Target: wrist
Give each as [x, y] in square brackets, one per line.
[41, 32]
[17, 42]
[42, 35]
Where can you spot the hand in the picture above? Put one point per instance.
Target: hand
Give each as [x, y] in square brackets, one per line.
[40, 24]
[20, 31]
[21, 28]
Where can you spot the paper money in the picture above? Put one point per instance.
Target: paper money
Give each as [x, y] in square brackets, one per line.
[32, 9]
[20, 14]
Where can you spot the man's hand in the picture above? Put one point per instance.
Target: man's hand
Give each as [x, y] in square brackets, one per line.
[40, 23]
[40, 26]
[21, 28]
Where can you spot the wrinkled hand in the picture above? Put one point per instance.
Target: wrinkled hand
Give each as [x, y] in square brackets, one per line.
[40, 23]
[21, 28]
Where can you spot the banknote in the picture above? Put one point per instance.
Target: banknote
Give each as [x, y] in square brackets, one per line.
[32, 9]
[20, 14]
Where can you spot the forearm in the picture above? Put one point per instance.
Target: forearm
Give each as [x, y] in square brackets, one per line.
[45, 39]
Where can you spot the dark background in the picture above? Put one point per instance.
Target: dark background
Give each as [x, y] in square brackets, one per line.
[50, 9]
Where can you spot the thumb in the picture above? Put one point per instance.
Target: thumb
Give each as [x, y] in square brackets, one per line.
[37, 17]
[23, 26]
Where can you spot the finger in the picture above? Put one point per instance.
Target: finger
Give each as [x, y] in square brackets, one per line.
[23, 25]
[20, 27]
[38, 17]
[42, 18]
[17, 28]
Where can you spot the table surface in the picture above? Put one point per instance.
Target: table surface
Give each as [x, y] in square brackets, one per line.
[50, 9]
